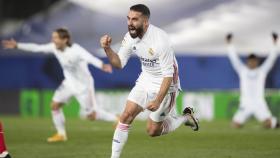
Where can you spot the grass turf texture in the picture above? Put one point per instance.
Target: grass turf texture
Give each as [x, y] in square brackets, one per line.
[26, 138]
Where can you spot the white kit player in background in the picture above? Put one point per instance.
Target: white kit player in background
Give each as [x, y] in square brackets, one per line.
[252, 85]
[78, 81]
[158, 84]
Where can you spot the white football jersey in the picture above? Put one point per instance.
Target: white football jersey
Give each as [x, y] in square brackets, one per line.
[156, 56]
[74, 61]
[252, 81]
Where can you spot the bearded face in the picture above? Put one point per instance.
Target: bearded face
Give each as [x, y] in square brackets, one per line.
[135, 32]
[136, 24]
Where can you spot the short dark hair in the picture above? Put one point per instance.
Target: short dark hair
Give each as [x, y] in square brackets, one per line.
[142, 9]
[63, 33]
[252, 56]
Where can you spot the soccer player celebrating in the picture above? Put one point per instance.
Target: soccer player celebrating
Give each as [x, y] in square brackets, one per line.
[157, 86]
[3, 150]
[78, 81]
[252, 86]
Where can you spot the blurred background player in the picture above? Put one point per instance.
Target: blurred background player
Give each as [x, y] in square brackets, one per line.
[78, 81]
[3, 150]
[252, 77]
[158, 84]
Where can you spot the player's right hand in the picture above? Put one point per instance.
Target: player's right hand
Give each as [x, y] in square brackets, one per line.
[275, 37]
[9, 44]
[105, 41]
[229, 37]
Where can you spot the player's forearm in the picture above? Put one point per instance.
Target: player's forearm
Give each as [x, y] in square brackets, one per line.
[27, 47]
[234, 58]
[268, 63]
[31, 47]
[165, 85]
[113, 58]
[95, 62]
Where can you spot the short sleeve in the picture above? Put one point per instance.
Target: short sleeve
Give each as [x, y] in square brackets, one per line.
[125, 50]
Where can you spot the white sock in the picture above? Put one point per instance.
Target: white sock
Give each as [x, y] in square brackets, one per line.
[119, 139]
[171, 123]
[273, 122]
[104, 115]
[59, 121]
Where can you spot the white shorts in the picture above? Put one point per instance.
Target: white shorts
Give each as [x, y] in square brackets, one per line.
[86, 99]
[259, 110]
[142, 97]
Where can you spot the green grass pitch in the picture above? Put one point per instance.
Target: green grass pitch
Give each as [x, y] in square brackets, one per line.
[26, 138]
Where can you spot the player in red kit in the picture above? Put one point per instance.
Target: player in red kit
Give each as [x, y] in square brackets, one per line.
[3, 150]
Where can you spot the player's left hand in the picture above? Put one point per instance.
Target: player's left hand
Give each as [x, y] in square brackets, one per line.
[153, 105]
[107, 68]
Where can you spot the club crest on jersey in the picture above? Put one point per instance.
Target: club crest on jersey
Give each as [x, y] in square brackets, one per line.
[151, 51]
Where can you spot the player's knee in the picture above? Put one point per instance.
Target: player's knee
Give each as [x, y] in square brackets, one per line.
[267, 123]
[55, 106]
[236, 125]
[127, 118]
[153, 132]
[91, 116]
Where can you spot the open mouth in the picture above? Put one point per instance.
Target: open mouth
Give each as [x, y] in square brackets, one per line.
[132, 29]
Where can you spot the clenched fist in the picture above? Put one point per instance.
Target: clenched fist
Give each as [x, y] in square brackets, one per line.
[105, 41]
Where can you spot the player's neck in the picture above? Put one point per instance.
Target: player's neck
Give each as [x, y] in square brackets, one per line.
[62, 48]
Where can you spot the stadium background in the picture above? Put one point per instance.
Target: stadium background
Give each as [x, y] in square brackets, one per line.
[197, 29]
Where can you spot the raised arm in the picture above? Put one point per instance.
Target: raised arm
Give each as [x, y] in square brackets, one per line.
[118, 60]
[233, 57]
[270, 60]
[31, 47]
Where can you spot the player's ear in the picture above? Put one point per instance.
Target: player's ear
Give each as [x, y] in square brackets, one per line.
[146, 21]
[65, 40]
